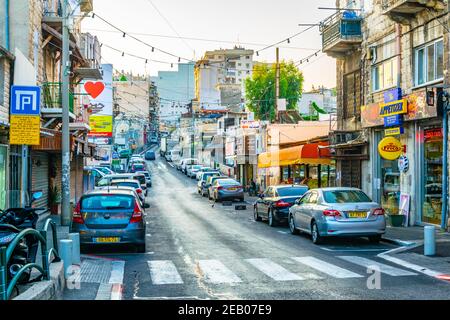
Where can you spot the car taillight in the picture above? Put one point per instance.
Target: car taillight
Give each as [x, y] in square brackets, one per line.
[77, 217]
[219, 188]
[137, 214]
[378, 212]
[139, 191]
[282, 204]
[331, 213]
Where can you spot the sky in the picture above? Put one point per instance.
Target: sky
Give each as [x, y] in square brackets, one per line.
[253, 24]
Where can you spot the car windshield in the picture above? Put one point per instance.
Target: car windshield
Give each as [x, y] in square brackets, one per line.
[138, 166]
[107, 202]
[207, 175]
[292, 192]
[345, 196]
[196, 167]
[104, 170]
[147, 175]
[127, 184]
[228, 182]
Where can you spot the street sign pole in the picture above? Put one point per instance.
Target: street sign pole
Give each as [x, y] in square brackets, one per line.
[65, 183]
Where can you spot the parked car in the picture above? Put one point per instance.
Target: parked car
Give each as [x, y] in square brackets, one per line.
[104, 169]
[275, 202]
[124, 154]
[111, 217]
[191, 171]
[209, 183]
[331, 212]
[187, 162]
[150, 155]
[148, 178]
[138, 176]
[227, 189]
[201, 185]
[130, 183]
[137, 167]
[96, 173]
[203, 169]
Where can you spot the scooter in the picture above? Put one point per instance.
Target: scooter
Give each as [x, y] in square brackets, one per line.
[12, 222]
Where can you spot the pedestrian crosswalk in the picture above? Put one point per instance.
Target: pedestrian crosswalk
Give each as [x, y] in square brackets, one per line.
[165, 272]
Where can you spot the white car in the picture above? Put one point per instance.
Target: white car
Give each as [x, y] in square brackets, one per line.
[203, 169]
[191, 170]
[187, 162]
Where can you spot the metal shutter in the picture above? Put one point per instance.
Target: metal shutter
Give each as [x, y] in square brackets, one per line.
[40, 177]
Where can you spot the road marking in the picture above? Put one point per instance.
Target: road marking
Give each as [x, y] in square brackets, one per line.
[104, 291]
[384, 268]
[353, 250]
[215, 272]
[282, 232]
[273, 270]
[327, 268]
[116, 279]
[164, 272]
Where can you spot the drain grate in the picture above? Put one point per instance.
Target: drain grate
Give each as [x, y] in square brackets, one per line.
[94, 271]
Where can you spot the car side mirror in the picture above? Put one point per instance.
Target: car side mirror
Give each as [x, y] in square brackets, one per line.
[261, 195]
[146, 206]
[148, 184]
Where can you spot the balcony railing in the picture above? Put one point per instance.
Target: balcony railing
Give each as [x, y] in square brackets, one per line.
[53, 96]
[52, 8]
[341, 32]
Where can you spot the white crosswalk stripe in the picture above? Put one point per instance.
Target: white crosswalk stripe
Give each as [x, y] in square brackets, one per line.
[215, 271]
[327, 268]
[164, 272]
[273, 270]
[384, 268]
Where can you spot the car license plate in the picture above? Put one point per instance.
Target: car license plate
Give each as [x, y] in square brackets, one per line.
[232, 189]
[358, 214]
[107, 240]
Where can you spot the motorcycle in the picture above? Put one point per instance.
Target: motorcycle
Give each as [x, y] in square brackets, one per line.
[12, 222]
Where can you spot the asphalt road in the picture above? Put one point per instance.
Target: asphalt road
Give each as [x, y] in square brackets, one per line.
[199, 251]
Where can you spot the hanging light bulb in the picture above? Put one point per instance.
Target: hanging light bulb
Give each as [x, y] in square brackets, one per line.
[124, 34]
[316, 54]
[153, 49]
[171, 65]
[307, 60]
[179, 60]
[257, 53]
[288, 40]
[123, 54]
[146, 61]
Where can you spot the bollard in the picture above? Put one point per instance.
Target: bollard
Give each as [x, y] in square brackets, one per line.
[75, 237]
[429, 245]
[65, 252]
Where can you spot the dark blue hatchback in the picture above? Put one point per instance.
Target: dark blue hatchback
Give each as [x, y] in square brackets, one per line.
[150, 155]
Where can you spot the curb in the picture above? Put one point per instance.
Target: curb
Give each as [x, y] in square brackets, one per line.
[47, 290]
[399, 242]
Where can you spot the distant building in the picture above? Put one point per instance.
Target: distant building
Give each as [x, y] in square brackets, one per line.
[220, 75]
[325, 99]
[175, 90]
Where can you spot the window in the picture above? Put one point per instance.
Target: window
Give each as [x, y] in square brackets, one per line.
[384, 75]
[429, 62]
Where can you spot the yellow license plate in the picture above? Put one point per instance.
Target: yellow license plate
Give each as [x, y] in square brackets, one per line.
[357, 214]
[107, 240]
[232, 189]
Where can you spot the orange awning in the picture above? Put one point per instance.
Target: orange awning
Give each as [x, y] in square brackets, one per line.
[305, 154]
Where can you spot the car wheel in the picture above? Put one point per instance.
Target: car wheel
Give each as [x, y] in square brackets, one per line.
[272, 219]
[141, 248]
[255, 214]
[292, 226]
[315, 236]
[375, 239]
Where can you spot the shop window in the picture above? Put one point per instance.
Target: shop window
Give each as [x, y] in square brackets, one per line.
[432, 204]
[352, 94]
[390, 187]
[429, 62]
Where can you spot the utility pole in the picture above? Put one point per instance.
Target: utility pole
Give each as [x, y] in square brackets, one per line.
[193, 130]
[65, 183]
[277, 87]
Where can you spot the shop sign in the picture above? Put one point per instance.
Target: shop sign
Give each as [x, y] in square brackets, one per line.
[390, 148]
[101, 126]
[250, 124]
[393, 121]
[403, 164]
[394, 131]
[393, 95]
[433, 133]
[393, 108]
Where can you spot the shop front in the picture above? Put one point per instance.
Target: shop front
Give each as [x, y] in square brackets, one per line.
[307, 164]
[408, 183]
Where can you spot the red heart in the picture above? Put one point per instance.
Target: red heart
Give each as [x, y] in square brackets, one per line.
[94, 89]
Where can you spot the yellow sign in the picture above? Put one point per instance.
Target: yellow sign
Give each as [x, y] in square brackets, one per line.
[25, 130]
[101, 126]
[393, 131]
[393, 108]
[390, 148]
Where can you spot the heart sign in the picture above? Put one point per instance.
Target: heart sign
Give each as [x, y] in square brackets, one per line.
[94, 89]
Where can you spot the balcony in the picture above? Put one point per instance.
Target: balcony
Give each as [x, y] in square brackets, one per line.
[86, 6]
[342, 32]
[52, 107]
[403, 10]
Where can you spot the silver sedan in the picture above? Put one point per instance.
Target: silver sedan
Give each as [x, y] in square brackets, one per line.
[331, 212]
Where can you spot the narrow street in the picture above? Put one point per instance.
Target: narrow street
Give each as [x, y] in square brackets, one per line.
[199, 251]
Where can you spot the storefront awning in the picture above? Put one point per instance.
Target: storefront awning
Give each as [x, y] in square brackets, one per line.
[313, 154]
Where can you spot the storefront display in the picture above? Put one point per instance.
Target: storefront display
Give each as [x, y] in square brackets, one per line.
[432, 202]
[390, 187]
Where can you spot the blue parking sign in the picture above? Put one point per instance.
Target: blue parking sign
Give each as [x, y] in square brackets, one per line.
[25, 100]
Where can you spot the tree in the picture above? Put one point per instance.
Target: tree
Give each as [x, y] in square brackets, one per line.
[260, 89]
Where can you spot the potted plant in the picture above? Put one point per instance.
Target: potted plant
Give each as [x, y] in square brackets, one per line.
[54, 199]
[396, 220]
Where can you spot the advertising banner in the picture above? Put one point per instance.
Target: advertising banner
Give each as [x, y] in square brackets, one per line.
[101, 126]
